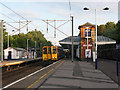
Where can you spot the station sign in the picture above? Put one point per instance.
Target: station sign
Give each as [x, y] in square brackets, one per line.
[90, 45]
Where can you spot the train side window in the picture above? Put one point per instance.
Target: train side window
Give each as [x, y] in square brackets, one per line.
[54, 50]
[45, 50]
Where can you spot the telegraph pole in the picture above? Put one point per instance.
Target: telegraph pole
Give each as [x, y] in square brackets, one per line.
[55, 29]
[35, 50]
[2, 41]
[27, 42]
[8, 40]
[19, 27]
[27, 49]
[72, 41]
[27, 26]
[47, 26]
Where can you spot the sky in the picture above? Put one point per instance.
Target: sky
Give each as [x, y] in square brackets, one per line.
[38, 10]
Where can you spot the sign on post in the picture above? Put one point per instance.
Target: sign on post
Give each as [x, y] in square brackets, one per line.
[88, 53]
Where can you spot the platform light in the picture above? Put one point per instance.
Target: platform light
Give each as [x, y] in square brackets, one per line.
[106, 8]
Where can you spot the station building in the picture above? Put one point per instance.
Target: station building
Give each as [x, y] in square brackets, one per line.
[18, 53]
[80, 41]
[14, 53]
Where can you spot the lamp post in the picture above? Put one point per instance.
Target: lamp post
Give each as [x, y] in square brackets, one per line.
[72, 41]
[96, 66]
[35, 50]
[1, 41]
[87, 44]
[27, 48]
[8, 41]
[106, 8]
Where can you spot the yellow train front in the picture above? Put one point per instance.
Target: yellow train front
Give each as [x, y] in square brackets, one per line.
[57, 53]
[52, 53]
[46, 53]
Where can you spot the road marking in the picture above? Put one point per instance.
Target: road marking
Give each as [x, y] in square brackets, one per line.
[43, 76]
[27, 76]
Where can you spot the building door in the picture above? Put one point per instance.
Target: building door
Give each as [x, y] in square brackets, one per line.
[9, 55]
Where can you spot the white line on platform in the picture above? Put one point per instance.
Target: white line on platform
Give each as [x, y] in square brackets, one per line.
[27, 76]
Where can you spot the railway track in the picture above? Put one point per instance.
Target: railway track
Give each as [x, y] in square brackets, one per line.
[15, 74]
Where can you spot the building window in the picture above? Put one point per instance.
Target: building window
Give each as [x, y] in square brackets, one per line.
[89, 33]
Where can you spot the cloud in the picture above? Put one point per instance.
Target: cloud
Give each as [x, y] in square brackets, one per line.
[62, 12]
[29, 14]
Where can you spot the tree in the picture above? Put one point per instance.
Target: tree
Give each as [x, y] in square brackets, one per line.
[110, 30]
[21, 39]
[101, 29]
[110, 25]
[118, 32]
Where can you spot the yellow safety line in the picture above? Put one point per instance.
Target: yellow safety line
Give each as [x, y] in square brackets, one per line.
[43, 76]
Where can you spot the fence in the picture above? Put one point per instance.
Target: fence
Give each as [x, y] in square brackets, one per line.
[109, 63]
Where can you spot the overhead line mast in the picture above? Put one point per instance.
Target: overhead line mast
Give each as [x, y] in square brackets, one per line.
[56, 28]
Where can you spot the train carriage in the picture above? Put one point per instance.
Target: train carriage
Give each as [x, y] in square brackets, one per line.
[52, 53]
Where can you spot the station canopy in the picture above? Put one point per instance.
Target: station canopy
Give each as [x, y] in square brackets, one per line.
[68, 40]
[101, 40]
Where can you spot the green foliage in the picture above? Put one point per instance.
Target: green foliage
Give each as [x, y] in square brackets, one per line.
[21, 40]
[101, 29]
[118, 32]
[111, 30]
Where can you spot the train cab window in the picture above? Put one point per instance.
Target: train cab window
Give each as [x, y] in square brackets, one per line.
[45, 50]
[54, 50]
[49, 50]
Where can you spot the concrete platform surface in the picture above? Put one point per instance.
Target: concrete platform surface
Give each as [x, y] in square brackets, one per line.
[66, 74]
[15, 62]
[78, 74]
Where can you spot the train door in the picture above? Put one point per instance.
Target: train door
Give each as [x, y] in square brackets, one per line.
[49, 53]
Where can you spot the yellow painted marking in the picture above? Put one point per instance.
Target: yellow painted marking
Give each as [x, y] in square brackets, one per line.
[43, 76]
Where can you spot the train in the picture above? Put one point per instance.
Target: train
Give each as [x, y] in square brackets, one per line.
[52, 53]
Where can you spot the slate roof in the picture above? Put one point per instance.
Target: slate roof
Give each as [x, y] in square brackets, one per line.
[69, 39]
[77, 39]
[85, 25]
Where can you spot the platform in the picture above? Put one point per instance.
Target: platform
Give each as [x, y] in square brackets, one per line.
[66, 74]
[15, 62]
[78, 75]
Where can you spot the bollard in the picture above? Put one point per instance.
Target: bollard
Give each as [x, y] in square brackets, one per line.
[117, 60]
[96, 66]
[87, 58]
